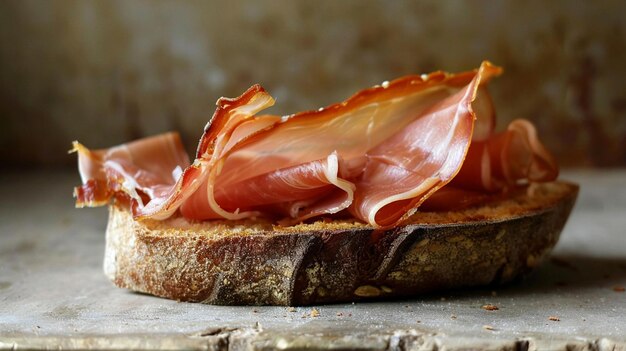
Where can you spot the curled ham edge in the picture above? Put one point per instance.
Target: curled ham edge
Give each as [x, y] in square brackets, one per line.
[235, 126]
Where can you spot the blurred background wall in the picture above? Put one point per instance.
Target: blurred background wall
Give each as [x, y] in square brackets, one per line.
[105, 72]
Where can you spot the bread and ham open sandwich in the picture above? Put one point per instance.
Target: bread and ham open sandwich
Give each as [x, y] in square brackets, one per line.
[404, 188]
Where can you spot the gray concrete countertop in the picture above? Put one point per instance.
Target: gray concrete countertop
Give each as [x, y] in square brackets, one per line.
[53, 293]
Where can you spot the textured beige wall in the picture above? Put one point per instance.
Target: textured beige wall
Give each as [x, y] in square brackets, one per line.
[105, 72]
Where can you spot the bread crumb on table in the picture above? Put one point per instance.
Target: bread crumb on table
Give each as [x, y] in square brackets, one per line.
[291, 309]
[554, 318]
[490, 307]
[619, 288]
[315, 313]
[488, 327]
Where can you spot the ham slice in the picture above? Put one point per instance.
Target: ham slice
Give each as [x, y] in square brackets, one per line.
[379, 155]
[515, 156]
[143, 169]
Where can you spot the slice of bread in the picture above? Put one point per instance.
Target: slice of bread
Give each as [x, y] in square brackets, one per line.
[254, 262]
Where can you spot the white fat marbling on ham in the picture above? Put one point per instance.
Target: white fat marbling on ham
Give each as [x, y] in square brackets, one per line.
[379, 155]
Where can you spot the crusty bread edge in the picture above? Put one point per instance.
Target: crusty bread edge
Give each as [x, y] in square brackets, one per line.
[299, 267]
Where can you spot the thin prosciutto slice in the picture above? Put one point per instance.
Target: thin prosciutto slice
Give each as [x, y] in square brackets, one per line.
[378, 155]
[510, 157]
[143, 169]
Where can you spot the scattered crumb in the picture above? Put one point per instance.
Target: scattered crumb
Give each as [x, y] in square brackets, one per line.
[452, 317]
[255, 311]
[38, 327]
[488, 327]
[619, 288]
[339, 314]
[291, 309]
[406, 306]
[554, 318]
[419, 322]
[315, 313]
[494, 293]
[349, 314]
[490, 307]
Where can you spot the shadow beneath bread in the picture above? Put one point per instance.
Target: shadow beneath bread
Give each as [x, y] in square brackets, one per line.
[559, 274]
[573, 272]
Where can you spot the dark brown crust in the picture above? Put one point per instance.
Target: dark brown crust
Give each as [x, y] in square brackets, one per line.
[302, 267]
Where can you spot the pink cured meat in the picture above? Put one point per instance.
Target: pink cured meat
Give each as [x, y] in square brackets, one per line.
[378, 155]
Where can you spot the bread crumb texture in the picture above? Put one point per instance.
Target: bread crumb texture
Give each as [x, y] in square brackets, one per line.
[519, 202]
[315, 312]
[490, 307]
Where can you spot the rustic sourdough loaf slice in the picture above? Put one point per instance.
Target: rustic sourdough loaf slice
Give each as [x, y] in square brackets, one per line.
[254, 262]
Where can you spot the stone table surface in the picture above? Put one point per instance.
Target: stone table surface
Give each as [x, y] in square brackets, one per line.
[53, 293]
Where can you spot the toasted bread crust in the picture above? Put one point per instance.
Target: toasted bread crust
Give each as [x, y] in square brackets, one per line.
[256, 263]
